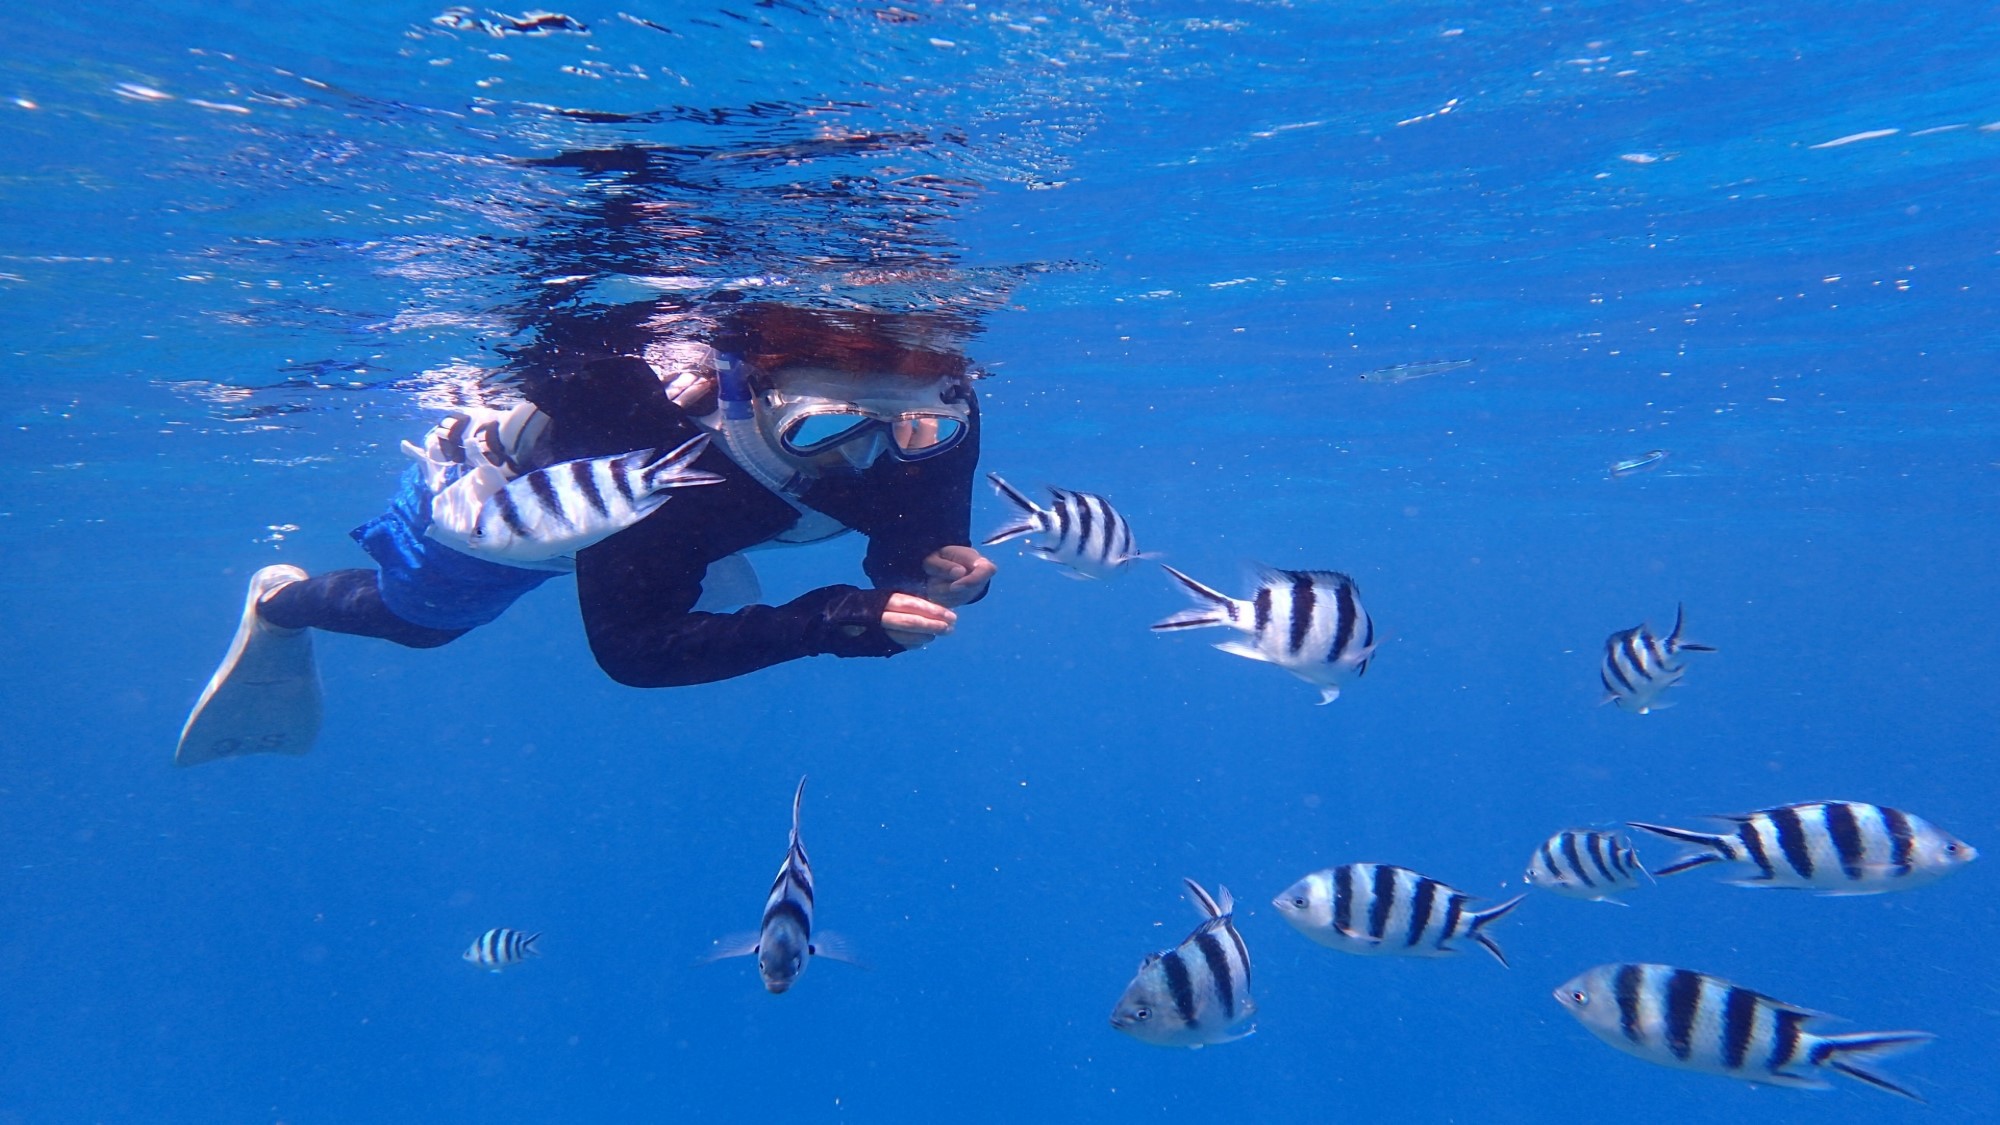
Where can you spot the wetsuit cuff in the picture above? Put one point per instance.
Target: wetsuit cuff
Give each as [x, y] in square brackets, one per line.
[849, 623]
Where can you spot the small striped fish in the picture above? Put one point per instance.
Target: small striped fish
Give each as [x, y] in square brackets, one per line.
[1833, 847]
[1196, 993]
[564, 508]
[785, 939]
[1375, 909]
[1308, 622]
[1582, 863]
[1080, 530]
[500, 947]
[1639, 666]
[1692, 1021]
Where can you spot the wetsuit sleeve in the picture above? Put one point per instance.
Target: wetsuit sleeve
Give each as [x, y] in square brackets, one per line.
[638, 591]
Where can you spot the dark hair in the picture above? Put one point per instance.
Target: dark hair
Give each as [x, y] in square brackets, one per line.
[769, 336]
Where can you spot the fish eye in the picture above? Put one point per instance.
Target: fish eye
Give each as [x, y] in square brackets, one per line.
[1580, 997]
[1951, 849]
[1142, 1014]
[1299, 901]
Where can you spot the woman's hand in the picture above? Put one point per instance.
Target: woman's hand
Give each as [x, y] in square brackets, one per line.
[957, 575]
[913, 622]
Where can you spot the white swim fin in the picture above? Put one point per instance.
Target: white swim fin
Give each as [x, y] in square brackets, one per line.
[266, 697]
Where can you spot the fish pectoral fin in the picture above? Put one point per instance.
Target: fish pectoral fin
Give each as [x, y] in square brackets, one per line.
[735, 945]
[1328, 695]
[1247, 652]
[834, 947]
[1357, 936]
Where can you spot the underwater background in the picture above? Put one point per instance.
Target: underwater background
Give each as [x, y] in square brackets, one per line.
[245, 250]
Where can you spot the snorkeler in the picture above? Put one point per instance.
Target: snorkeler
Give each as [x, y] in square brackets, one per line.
[790, 426]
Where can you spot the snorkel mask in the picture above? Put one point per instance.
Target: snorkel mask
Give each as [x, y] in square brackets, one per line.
[813, 411]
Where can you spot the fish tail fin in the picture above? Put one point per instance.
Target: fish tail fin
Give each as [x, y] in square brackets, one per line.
[1674, 641]
[798, 799]
[1211, 607]
[1855, 1054]
[1024, 518]
[1477, 933]
[1720, 848]
[528, 945]
[673, 468]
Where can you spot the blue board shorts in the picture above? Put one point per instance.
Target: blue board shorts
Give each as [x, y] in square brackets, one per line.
[427, 583]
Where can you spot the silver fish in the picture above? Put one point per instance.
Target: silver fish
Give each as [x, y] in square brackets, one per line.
[1407, 372]
[1375, 909]
[500, 947]
[1196, 993]
[1308, 622]
[564, 508]
[785, 940]
[1693, 1021]
[1080, 530]
[1644, 462]
[1833, 847]
[1638, 666]
[1585, 863]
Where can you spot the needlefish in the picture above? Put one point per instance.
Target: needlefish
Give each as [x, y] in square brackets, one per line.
[1409, 372]
[1308, 622]
[1080, 530]
[561, 509]
[1196, 993]
[785, 940]
[1692, 1021]
[1649, 460]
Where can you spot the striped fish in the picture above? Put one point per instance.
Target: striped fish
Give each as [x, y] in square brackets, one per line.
[1196, 993]
[1308, 622]
[1080, 530]
[564, 508]
[1584, 863]
[785, 939]
[1375, 909]
[1692, 1021]
[500, 947]
[1832, 847]
[1639, 666]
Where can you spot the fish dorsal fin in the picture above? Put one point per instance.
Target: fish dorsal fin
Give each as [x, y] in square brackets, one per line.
[798, 799]
[1209, 907]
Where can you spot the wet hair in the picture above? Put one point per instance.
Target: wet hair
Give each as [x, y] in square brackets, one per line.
[922, 347]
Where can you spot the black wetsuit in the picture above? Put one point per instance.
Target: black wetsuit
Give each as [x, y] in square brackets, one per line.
[637, 589]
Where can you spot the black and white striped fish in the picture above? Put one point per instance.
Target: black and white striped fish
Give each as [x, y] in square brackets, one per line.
[1374, 909]
[1308, 622]
[561, 509]
[1585, 863]
[1833, 847]
[1080, 530]
[785, 939]
[1196, 993]
[1692, 1021]
[500, 947]
[1638, 666]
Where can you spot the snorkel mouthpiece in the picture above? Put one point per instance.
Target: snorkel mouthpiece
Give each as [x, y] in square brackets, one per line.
[731, 388]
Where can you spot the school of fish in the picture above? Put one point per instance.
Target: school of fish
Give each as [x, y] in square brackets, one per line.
[1312, 624]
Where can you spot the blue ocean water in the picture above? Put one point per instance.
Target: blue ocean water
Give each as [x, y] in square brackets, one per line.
[245, 251]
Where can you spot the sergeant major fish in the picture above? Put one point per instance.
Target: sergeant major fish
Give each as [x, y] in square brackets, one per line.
[1375, 909]
[500, 947]
[1308, 622]
[1638, 666]
[1832, 847]
[785, 939]
[561, 509]
[1693, 1021]
[1583, 863]
[1196, 993]
[1080, 530]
